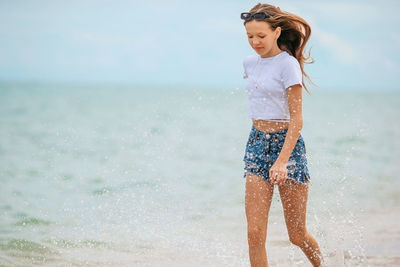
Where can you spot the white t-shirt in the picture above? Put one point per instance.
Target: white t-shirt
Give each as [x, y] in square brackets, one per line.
[267, 81]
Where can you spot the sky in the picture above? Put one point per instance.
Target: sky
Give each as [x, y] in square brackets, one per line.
[355, 44]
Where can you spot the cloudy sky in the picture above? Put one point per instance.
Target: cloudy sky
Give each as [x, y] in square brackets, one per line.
[355, 44]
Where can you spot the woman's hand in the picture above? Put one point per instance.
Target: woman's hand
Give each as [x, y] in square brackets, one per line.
[278, 172]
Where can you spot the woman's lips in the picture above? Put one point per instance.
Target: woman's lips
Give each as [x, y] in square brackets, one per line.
[258, 48]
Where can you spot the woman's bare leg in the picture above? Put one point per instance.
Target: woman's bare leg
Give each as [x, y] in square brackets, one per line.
[257, 202]
[294, 201]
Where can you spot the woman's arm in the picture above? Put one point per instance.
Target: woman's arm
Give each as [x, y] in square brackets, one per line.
[278, 171]
[294, 94]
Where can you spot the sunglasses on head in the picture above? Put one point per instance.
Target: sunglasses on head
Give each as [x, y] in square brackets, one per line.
[257, 16]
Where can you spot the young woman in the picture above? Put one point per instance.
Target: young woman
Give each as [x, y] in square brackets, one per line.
[275, 151]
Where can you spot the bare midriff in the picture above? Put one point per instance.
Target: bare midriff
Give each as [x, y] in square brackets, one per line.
[270, 126]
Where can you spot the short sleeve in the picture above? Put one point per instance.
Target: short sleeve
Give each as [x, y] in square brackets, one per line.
[291, 72]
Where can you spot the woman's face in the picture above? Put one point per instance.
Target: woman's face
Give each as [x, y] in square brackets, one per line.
[262, 38]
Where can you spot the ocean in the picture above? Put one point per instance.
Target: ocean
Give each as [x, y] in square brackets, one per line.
[119, 175]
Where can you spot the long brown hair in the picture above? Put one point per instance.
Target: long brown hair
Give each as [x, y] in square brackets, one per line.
[295, 33]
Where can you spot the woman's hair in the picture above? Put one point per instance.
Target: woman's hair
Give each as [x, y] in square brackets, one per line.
[295, 32]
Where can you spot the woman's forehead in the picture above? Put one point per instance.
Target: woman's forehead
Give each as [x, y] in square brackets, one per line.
[255, 27]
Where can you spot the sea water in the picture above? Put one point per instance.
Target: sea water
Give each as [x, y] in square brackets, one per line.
[138, 176]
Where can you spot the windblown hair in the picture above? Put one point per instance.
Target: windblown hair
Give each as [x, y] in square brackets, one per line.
[295, 33]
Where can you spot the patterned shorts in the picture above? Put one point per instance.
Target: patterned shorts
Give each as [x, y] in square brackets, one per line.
[262, 150]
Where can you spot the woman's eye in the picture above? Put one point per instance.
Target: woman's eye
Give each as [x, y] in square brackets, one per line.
[261, 37]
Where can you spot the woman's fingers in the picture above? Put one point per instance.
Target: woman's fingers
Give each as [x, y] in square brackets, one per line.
[277, 177]
[273, 175]
[282, 180]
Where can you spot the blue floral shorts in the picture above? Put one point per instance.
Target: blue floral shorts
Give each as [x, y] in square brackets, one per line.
[262, 150]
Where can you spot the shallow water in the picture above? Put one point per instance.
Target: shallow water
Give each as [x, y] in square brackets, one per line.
[107, 176]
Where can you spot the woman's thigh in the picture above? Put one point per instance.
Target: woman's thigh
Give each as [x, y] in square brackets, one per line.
[257, 202]
[294, 202]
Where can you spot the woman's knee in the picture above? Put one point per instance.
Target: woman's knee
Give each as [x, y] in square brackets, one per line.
[298, 238]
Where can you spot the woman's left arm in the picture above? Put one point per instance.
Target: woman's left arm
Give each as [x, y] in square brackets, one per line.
[278, 171]
[294, 94]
